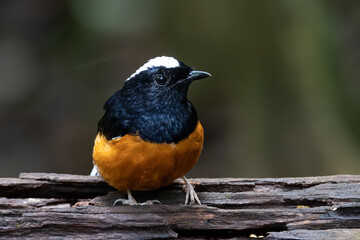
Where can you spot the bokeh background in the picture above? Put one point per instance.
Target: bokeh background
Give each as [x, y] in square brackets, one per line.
[284, 99]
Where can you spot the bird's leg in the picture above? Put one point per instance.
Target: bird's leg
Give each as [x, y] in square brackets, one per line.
[190, 192]
[132, 202]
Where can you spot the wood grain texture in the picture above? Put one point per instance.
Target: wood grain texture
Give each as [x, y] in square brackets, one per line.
[67, 206]
[338, 234]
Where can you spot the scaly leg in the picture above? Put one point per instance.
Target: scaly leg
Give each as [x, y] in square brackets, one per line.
[132, 202]
[190, 192]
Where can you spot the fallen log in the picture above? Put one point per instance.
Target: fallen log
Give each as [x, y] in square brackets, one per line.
[40, 205]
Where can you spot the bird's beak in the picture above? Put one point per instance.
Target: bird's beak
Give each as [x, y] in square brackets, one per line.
[196, 75]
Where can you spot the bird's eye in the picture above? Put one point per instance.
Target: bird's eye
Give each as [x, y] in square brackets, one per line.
[160, 79]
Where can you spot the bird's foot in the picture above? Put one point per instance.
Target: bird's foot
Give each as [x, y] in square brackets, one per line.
[190, 193]
[129, 202]
[135, 203]
[132, 202]
[150, 202]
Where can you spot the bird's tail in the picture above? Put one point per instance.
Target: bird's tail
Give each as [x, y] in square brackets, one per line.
[94, 171]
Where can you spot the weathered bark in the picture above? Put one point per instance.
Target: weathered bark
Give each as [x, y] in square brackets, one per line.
[338, 234]
[58, 205]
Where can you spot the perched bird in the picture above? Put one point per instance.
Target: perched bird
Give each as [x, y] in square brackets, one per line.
[150, 134]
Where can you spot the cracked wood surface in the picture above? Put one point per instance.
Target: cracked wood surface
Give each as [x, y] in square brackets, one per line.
[42, 205]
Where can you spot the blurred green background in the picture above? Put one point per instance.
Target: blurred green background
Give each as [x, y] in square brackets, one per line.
[283, 100]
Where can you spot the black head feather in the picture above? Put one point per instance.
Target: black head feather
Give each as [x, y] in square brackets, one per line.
[153, 103]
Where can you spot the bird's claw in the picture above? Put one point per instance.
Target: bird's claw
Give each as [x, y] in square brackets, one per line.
[190, 193]
[130, 202]
[133, 202]
[150, 202]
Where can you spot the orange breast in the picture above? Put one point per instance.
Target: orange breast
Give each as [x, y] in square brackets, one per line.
[130, 163]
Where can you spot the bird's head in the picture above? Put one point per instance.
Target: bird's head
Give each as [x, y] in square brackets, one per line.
[161, 78]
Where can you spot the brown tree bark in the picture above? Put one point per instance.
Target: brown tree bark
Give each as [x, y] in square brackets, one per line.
[41, 205]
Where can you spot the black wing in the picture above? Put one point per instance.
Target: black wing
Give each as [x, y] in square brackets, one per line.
[115, 121]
